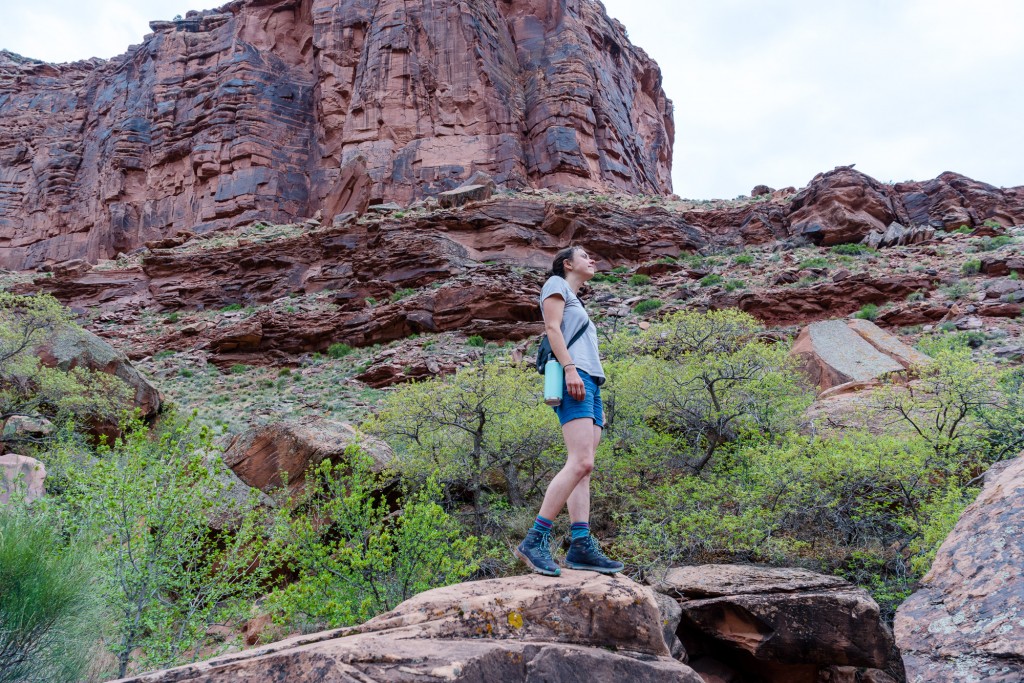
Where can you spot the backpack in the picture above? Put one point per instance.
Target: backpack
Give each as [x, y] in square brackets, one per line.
[544, 353]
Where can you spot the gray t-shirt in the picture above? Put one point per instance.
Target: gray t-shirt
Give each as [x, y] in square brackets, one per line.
[584, 352]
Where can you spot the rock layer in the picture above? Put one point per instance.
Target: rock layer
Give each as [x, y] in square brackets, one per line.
[272, 110]
[966, 622]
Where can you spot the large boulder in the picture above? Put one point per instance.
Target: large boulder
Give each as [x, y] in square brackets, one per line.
[265, 455]
[844, 205]
[72, 347]
[745, 624]
[580, 627]
[966, 621]
[21, 475]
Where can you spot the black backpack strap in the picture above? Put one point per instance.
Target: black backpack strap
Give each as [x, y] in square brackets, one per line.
[576, 336]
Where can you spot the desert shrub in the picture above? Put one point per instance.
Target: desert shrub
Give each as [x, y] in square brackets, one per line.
[916, 296]
[852, 249]
[733, 285]
[354, 558]
[239, 369]
[639, 280]
[620, 269]
[483, 430]
[867, 312]
[647, 305]
[711, 280]
[339, 350]
[993, 243]
[815, 262]
[173, 317]
[476, 340]
[956, 290]
[164, 575]
[971, 267]
[604, 277]
[49, 615]
[743, 260]
[400, 294]
[231, 307]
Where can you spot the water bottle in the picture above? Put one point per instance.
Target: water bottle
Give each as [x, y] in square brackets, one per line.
[554, 381]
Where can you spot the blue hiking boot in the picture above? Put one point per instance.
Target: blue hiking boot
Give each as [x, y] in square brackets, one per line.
[585, 554]
[535, 551]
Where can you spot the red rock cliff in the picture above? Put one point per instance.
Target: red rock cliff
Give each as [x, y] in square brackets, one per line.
[250, 111]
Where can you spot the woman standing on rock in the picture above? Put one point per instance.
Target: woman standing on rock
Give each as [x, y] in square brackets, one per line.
[582, 416]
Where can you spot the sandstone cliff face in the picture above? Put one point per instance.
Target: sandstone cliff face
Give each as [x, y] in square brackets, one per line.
[252, 110]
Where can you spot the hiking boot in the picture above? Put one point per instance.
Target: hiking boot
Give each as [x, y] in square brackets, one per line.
[535, 551]
[585, 554]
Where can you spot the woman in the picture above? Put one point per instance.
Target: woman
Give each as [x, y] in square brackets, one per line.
[582, 418]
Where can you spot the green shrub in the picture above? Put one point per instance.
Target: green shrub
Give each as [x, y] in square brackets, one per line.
[284, 372]
[867, 312]
[916, 296]
[852, 249]
[400, 294]
[476, 340]
[743, 260]
[185, 372]
[1014, 275]
[639, 280]
[956, 290]
[993, 243]
[231, 307]
[49, 614]
[238, 369]
[710, 280]
[733, 285]
[816, 262]
[604, 277]
[971, 267]
[339, 350]
[963, 230]
[365, 560]
[620, 269]
[173, 317]
[647, 305]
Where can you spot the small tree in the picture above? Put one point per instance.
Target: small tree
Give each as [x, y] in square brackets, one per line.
[706, 379]
[49, 615]
[487, 426]
[354, 558]
[165, 575]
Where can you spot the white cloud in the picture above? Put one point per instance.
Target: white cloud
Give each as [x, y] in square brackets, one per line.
[766, 91]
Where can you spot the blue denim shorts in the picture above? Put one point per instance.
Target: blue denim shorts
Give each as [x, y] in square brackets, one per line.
[590, 406]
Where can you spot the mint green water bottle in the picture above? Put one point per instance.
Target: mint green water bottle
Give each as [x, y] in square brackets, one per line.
[554, 380]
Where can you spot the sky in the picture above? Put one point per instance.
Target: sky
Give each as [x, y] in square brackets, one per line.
[765, 91]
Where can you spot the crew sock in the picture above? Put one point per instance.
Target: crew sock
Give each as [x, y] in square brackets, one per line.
[542, 525]
[580, 530]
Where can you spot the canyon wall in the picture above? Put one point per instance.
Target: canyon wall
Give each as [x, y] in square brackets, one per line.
[266, 109]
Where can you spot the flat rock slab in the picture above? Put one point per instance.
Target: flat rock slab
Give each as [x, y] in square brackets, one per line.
[579, 627]
[905, 355]
[832, 353]
[966, 623]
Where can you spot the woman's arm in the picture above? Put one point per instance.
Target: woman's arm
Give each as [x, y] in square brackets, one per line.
[554, 308]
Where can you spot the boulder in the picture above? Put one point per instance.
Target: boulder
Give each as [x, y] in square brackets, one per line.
[746, 623]
[579, 627]
[832, 353]
[966, 621]
[464, 195]
[351, 192]
[761, 190]
[22, 427]
[72, 347]
[22, 475]
[844, 205]
[261, 455]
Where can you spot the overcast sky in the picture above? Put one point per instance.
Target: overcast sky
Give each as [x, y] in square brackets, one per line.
[765, 91]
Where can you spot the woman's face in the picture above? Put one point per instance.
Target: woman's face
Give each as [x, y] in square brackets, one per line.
[582, 264]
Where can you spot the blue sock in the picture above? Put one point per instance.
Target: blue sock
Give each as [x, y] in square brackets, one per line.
[542, 525]
[580, 530]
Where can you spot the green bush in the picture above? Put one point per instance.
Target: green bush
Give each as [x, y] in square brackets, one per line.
[604, 277]
[49, 614]
[400, 294]
[852, 250]
[711, 280]
[639, 280]
[239, 369]
[620, 269]
[647, 305]
[956, 290]
[867, 312]
[355, 559]
[173, 317]
[816, 262]
[733, 285]
[743, 260]
[231, 307]
[971, 267]
[476, 340]
[916, 296]
[993, 243]
[339, 350]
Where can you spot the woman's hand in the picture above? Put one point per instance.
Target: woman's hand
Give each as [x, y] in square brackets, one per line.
[574, 383]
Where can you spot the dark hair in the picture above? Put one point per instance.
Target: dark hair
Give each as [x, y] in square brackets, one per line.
[558, 266]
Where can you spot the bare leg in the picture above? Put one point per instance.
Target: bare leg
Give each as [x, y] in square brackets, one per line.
[579, 499]
[581, 444]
